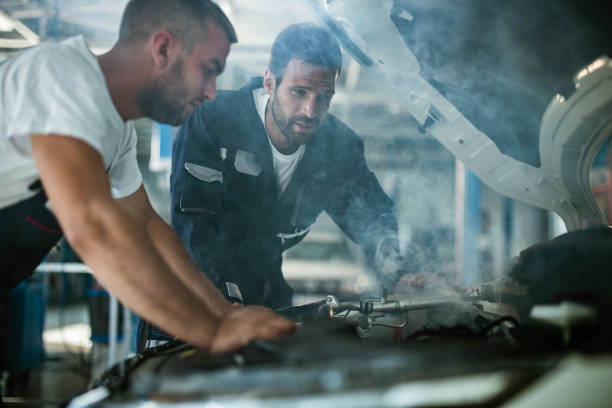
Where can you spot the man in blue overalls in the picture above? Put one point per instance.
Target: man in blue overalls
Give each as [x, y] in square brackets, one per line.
[252, 171]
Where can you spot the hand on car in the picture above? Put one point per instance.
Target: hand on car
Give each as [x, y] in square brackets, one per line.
[243, 324]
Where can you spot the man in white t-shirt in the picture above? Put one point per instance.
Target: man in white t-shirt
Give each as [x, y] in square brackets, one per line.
[252, 171]
[68, 166]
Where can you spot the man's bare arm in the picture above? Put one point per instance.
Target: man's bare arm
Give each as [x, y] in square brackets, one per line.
[172, 250]
[112, 243]
[238, 325]
[123, 258]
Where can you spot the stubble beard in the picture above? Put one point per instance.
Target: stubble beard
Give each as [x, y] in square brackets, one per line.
[281, 122]
[160, 99]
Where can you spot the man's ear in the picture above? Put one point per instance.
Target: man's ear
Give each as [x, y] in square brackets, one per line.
[269, 82]
[162, 48]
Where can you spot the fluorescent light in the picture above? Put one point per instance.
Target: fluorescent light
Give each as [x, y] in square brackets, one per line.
[6, 23]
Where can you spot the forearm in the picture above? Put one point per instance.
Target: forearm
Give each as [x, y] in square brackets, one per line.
[377, 234]
[386, 260]
[176, 256]
[126, 263]
[111, 238]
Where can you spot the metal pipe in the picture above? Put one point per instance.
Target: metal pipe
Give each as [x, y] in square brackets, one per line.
[67, 267]
[396, 306]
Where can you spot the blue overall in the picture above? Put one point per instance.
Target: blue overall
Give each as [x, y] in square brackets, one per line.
[225, 203]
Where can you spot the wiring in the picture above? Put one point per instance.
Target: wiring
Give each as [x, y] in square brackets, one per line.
[461, 330]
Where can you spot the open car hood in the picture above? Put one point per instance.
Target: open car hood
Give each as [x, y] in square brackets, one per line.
[573, 127]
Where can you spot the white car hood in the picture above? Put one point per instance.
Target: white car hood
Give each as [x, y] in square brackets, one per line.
[571, 133]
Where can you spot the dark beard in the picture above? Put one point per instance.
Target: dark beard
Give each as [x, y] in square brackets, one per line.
[159, 100]
[283, 127]
[284, 124]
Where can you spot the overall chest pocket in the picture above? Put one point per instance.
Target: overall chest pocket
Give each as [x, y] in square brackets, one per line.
[246, 185]
[203, 189]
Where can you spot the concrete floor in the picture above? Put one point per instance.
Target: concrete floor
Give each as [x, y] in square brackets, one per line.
[55, 380]
[65, 371]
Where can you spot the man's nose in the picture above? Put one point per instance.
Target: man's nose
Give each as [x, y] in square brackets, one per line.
[210, 90]
[309, 107]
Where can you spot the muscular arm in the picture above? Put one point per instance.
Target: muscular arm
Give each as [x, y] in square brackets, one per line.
[123, 257]
[167, 243]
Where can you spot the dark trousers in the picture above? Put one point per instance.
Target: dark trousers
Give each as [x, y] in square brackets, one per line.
[28, 230]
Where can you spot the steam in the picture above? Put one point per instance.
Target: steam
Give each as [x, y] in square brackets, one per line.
[501, 63]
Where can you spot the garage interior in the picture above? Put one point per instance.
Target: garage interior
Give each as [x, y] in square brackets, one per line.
[499, 64]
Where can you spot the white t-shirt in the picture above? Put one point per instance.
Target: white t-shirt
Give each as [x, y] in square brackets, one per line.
[284, 164]
[60, 89]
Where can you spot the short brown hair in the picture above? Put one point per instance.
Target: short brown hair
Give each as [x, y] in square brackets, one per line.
[308, 43]
[142, 18]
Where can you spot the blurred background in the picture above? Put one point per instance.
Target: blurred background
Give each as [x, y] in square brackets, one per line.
[499, 63]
